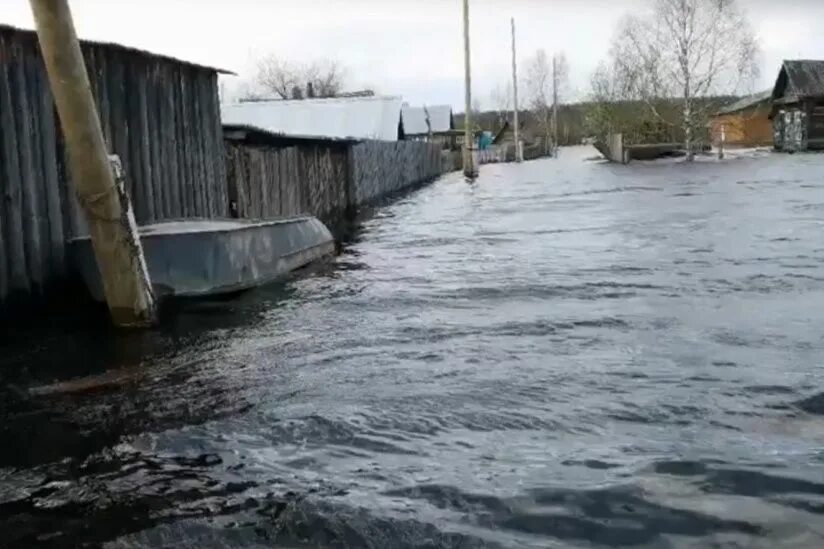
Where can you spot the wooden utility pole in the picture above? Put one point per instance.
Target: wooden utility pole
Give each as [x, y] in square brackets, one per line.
[555, 105]
[468, 163]
[518, 152]
[112, 226]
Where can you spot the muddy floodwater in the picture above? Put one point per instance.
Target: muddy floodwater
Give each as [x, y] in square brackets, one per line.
[565, 354]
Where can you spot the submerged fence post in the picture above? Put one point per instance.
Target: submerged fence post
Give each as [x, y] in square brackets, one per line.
[111, 221]
[723, 140]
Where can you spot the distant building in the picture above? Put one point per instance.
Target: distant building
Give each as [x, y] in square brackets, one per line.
[798, 106]
[429, 123]
[352, 118]
[745, 123]
[506, 135]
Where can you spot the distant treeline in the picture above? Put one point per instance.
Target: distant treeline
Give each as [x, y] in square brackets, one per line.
[639, 121]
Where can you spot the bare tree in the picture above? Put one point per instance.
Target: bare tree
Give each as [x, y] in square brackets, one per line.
[288, 80]
[501, 100]
[687, 50]
[560, 82]
[247, 91]
[539, 89]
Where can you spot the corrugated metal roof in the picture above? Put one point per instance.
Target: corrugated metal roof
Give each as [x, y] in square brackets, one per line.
[335, 118]
[244, 131]
[805, 77]
[121, 47]
[746, 102]
[415, 119]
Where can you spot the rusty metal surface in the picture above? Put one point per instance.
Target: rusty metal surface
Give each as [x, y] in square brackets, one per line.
[210, 257]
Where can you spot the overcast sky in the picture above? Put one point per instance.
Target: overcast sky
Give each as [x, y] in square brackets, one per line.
[411, 48]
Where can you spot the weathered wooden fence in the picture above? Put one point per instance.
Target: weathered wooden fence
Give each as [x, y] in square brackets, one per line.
[380, 168]
[159, 115]
[267, 181]
[324, 179]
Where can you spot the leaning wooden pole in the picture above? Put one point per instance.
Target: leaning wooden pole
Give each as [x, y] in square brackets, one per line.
[468, 164]
[112, 226]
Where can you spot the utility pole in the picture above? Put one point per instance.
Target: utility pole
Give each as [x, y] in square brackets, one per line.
[468, 164]
[555, 105]
[112, 226]
[518, 152]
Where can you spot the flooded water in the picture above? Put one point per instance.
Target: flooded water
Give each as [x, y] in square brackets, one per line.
[565, 354]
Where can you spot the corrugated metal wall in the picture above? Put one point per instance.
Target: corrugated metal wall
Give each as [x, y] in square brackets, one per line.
[324, 180]
[161, 117]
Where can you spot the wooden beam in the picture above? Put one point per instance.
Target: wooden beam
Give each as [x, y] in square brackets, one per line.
[112, 226]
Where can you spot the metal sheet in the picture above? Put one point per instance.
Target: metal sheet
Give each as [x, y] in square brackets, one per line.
[415, 119]
[337, 118]
[198, 258]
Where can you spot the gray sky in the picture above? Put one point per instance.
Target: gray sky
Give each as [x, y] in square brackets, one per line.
[411, 48]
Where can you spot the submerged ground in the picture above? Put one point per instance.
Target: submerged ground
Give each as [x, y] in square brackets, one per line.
[567, 353]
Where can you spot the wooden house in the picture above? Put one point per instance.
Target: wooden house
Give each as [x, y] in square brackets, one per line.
[434, 123]
[798, 106]
[744, 123]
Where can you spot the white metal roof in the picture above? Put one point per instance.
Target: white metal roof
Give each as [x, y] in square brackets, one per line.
[335, 118]
[414, 119]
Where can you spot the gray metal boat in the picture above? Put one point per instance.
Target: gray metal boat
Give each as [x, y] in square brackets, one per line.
[194, 258]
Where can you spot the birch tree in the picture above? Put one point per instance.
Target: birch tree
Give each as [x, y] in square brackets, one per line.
[539, 93]
[560, 82]
[687, 50]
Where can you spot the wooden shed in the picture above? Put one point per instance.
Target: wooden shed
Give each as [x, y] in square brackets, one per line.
[159, 114]
[745, 123]
[798, 106]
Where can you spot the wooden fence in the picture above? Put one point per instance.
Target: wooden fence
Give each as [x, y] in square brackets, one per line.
[380, 168]
[323, 178]
[159, 115]
[267, 181]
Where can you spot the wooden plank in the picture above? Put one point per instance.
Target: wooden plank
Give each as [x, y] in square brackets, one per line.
[23, 125]
[195, 138]
[127, 129]
[96, 67]
[287, 183]
[169, 144]
[198, 137]
[257, 183]
[155, 140]
[51, 178]
[120, 78]
[185, 147]
[218, 160]
[206, 143]
[211, 151]
[275, 182]
[140, 138]
[5, 147]
[35, 88]
[246, 164]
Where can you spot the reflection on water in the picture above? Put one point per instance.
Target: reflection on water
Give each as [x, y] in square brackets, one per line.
[566, 353]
